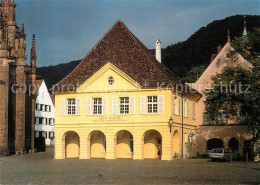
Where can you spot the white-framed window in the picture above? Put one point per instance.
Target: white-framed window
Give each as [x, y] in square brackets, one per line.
[124, 105]
[37, 106]
[43, 134]
[47, 108]
[36, 120]
[36, 133]
[44, 121]
[71, 106]
[193, 111]
[152, 104]
[184, 108]
[42, 107]
[51, 121]
[179, 106]
[110, 80]
[51, 134]
[40, 120]
[97, 105]
[174, 99]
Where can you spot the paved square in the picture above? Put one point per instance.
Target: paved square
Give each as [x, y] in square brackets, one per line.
[41, 168]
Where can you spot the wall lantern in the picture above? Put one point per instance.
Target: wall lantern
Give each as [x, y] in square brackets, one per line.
[170, 123]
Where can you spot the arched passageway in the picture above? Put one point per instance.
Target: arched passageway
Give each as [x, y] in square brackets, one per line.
[233, 144]
[152, 147]
[72, 145]
[97, 141]
[124, 144]
[214, 143]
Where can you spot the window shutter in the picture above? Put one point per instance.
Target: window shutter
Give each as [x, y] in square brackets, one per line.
[179, 105]
[131, 105]
[142, 104]
[62, 106]
[88, 106]
[37, 133]
[174, 105]
[193, 110]
[77, 106]
[188, 109]
[114, 105]
[184, 108]
[104, 105]
[161, 104]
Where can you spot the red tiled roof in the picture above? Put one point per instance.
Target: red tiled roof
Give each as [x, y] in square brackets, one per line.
[121, 48]
[38, 84]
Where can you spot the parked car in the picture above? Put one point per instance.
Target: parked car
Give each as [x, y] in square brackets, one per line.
[222, 154]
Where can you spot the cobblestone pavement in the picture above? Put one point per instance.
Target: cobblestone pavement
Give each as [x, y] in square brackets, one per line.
[41, 168]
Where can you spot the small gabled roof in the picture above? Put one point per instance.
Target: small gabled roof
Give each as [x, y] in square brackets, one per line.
[121, 48]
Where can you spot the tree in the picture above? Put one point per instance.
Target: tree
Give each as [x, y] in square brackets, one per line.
[236, 91]
[193, 75]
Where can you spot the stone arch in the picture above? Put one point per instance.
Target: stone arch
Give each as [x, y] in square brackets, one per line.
[152, 144]
[71, 144]
[97, 144]
[124, 145]
[214, 143]
[233, 144]
[176, 144]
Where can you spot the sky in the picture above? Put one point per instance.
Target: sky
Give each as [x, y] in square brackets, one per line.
[66, 30]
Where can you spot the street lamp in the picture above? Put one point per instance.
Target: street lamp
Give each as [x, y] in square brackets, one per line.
[170, 123]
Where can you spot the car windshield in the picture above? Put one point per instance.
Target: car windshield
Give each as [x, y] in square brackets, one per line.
[217, 151]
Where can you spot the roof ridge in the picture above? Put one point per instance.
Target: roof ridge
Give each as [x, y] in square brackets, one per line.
[83, 60]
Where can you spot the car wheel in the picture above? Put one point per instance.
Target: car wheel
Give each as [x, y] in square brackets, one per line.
[213, 160]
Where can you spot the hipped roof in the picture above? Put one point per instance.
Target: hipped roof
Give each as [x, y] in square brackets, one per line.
[124, 50]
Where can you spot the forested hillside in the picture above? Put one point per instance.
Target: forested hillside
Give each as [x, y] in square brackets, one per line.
[181, 57]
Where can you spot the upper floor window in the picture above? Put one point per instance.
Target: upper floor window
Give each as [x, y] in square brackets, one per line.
[71, 107]
[51, 121]
[36, 121]
[51, 135]
[36, 133]
[97, 105]
[124, 105]
[193, 111]
[174, 105]
[152, 104]
[110, 80]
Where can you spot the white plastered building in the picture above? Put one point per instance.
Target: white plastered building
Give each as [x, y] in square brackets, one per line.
[44, 114]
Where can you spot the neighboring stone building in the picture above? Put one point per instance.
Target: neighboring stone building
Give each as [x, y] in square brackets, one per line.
[221, 133]
[117, 103]
[44, 114]
[17, 102]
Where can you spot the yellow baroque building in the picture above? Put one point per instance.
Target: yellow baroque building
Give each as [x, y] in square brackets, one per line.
[117, 104]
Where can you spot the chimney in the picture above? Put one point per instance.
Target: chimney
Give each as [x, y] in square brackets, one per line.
[158, 50]
[219, 48]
